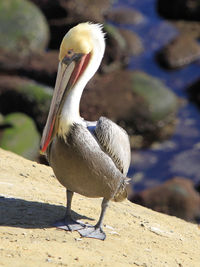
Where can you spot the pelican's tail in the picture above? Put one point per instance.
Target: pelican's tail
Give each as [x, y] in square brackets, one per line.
[122, 194]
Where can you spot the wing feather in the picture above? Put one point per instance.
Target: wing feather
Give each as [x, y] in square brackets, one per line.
[115, 142]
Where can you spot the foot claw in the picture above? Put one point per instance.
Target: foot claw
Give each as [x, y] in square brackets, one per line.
[92, 232]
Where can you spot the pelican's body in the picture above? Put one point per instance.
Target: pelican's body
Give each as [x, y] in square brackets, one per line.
[81, 165]
[91, 159]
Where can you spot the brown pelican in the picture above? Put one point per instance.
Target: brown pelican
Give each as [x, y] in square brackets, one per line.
[89, 158]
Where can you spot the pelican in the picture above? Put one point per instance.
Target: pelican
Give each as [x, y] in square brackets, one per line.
[89, 158]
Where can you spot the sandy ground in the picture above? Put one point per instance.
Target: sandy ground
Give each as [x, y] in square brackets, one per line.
[32, 199]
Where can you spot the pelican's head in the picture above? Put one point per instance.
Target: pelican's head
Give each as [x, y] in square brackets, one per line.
[80, 55]
[78, 40]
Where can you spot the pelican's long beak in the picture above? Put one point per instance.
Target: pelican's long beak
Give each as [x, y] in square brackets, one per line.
[69, 70]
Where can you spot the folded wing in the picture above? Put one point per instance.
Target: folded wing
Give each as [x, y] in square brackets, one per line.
[115, 142]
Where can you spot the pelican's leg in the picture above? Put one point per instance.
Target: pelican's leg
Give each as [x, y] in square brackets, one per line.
[68, 223]
[96, 231]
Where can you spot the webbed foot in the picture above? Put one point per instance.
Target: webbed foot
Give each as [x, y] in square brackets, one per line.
[92, 232]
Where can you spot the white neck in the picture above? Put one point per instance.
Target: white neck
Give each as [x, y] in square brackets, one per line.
[70, 111]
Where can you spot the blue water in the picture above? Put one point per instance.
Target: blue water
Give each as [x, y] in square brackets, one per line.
[179, 156]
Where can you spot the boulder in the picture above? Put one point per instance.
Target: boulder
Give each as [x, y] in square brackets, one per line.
[62, 15]
[86, 10]
[161, 101]
[20, 135]
[179, 9]
[23, 28]
[134, 45]
[26, 96]
[121, 45]
[175, 197]
[41, 67]
[155, 118]
[181, 51]
[138, 102]
[51, 9]
[191, 28]
[124, 15]
[74, 11]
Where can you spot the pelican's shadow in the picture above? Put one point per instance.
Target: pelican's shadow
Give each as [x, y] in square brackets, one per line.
[16, 212]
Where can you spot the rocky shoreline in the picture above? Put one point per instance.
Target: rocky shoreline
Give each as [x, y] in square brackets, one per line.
[33, 62]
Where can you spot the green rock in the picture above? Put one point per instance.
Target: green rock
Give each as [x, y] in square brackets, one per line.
[116, 35]
[160, 101]
[21, 136]
[37, 94]
[1, 119]
[138, 102]
[23, 27]
[26, 96]
[121, 45]
[38, 98]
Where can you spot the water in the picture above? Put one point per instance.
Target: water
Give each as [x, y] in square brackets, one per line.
[179, 156]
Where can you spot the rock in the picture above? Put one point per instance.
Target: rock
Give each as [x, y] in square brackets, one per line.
[41, 67]
[75, 11]
[175, 197]
[182, 51]
[10, 62]
[140, 103]
[161, 101]
[62, 15]
[114, 57]
[124, 15]
[1, 119]
[23, 28]
[179, 9]
[120, 46]
[20, 135]
[134, 45]
[155, 118]
[51, 9]
[87, 10]
[191, 28]
[23, 95]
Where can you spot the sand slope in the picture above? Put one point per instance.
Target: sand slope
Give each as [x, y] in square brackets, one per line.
[32, 199]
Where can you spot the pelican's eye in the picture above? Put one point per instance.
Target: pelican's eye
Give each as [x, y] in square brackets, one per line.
[70, 53]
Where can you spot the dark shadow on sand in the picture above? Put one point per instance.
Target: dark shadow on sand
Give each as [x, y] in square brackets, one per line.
[16, 212]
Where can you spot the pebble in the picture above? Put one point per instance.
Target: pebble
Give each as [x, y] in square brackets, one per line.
[114, 233]
[77, 239]
[109, 227]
